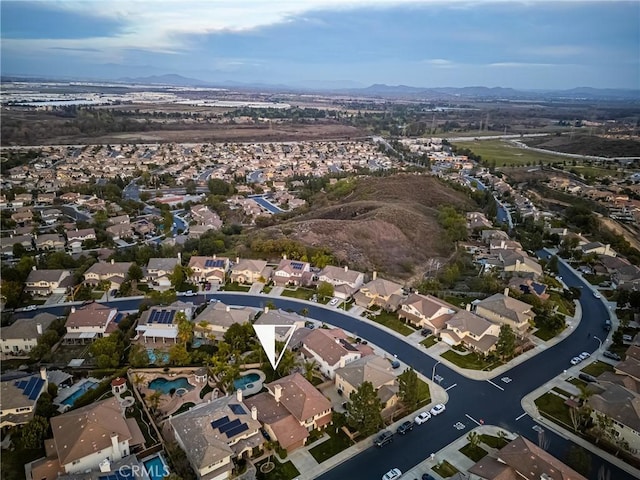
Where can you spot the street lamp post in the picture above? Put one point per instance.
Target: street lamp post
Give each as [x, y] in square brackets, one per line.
[599, 342]
[433, 372]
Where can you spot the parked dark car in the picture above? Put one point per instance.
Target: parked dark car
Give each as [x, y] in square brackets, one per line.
[426, 476]
[425, 332]
[607, 325]
[266, 436]
[385, 437]
[587, 378]
[611, 355]
[395, 364]
[405, 427]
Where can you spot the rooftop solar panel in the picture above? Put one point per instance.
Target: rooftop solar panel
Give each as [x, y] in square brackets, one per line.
[36, 390]
[228, 426]
[296, 265]
[220, 421]
[30, 386]
[237, 409]
[236, 430]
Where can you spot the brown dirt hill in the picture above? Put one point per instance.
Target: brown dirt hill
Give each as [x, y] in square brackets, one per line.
[388, 224]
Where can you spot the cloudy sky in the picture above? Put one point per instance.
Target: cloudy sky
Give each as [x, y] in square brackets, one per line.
[521, 44]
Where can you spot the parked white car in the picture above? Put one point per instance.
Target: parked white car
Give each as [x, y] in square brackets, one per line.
[422, 418]
[584, 355]
[438, 409]
[334, 302]
[575, 360]
[392, 474]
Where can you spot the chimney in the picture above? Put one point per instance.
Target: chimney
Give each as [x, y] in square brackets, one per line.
[254, 413]
[214, 255]
[506, 291]
[284, 256]
[468, 307]
[179, 257]
[115, 445]
[112, 261]
[43, 373]
[346, 269]
[266, 309]
[39, 328]
[105, 465]
[73, 309]
[34, 268]
[277, 392]
[239, 394]
[228, 308]
[237, 259]
[375, 275]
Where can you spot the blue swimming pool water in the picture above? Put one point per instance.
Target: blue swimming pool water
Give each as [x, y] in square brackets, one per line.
[85, 387]
[156, 468]
[165, 385]
[245, 380]
[159, 359]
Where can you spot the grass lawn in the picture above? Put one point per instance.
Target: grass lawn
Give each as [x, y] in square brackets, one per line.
[553, 406]
[577, 382]
[493, 441]
[337, 443]
[445, 469]
[561, 392]
[392, 321]
[424, 395]
[595, 279]
[301, 293]
[597, 368]
[429, 341]
[474, 453]
[283, 471]
[267, 288]
[506, 154]
[545, 334]
[471, 361]
[235, 287]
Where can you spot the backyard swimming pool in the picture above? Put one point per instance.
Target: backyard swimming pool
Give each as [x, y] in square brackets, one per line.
[246, 380]
[154, 358]
[165, 386]
[85, 387]
[156, 468]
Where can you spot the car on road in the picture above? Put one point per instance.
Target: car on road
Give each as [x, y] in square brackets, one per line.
[438, 409]
[575, 360]
[426, 476]
[30, 308]
[584, 355]
[405, 427]
[422, 418]
[189, 293]
[392, 474]
[596, 294]
[607, 325]
[385, 437]
[611, 355]
[334, 302]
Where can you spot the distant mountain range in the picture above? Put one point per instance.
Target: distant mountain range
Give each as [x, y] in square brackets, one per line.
[380, 90]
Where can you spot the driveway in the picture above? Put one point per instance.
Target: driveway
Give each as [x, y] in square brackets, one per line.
[256, 288]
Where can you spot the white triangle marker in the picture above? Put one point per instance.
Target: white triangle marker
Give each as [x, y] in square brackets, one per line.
[267, 336]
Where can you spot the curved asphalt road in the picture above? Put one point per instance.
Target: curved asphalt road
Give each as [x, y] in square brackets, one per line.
[479, 400]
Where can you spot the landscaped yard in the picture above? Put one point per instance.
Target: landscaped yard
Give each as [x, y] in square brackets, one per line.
[545, 334]
[392, 321]
[282, 471]
[474, 453]
[429, 341]
[301, 293]
[445, 469]
[597, 368]
[472, 361]
[493, 441]
[336, 444]
[565, 306]
[235, 287]
[424, 395]
[553, 406]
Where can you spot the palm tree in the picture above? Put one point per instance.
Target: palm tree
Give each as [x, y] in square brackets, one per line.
[154, 400]
[138, 379]
[474, 439]
[309, 367]
[304, 312]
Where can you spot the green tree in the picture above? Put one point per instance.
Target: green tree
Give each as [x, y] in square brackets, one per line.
[474, 439]
[219, 187]
[288, 361]
[552, 266]
[138, 356]
[34, 432]
[309, 368]
[325, 290]
[135, 272]
[364, 410]
[153, 400]
[178, 355]
[167, 221]
[240, 337]
[108, 350]
[506, 345]
[408, 388]
[185, 328]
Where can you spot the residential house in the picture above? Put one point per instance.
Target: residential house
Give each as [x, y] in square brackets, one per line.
[472, 330]
[519, 263]
[623, 274]
[523, 285]
[160, 324]
[50, 215]
[22, 335]
[598, 249]
[19, 398]
[217, 317]
[209, 269]
[330, 349]
[488, 235]
[247, 270]
[50, 241]
[89, 322]
[503, 244]
[280, 318]
[345, 282]
[47, 282]
[7, 243]
[290, 409]
[119, 220]
[86, 439]
[120, 230]
[503, 309]
[76, 237]
[381, 293]
[521, 458]
[46, 198]
[373, 369]
[115, 273]
[477, 220]
[212, 434]
[426, 311]
[204, 216]
[158, 271]
[23, 198]
[292, 272]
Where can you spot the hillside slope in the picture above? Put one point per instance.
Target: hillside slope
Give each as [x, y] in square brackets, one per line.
[388, 224]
